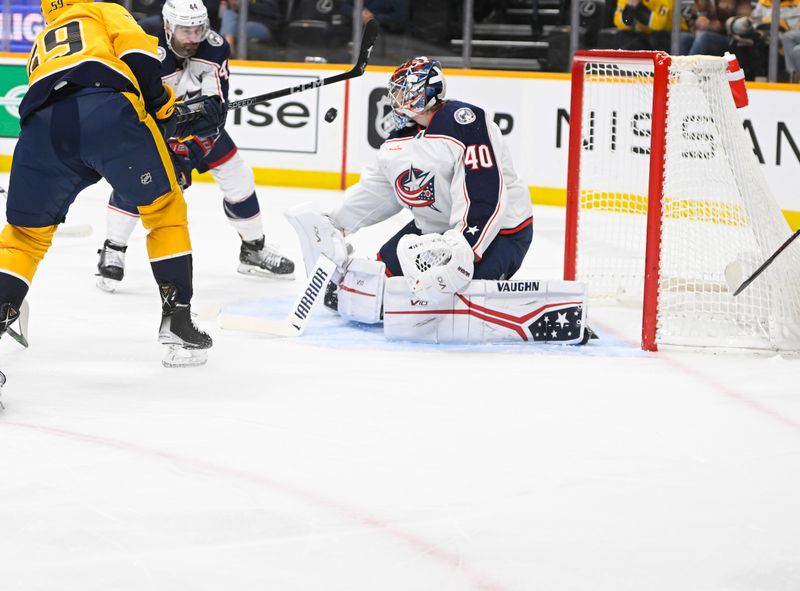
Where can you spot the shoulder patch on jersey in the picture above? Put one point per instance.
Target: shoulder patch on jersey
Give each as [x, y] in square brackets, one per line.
[464, 116]
[214, 39]
[162, 54]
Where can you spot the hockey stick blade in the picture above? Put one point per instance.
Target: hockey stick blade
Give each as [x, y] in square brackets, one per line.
[371, 30]
[734, 272]
[74, 230]
[278, 328]
[64, 230]
[303, 307]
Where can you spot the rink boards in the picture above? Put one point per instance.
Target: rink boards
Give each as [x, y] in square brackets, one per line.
[289, 143]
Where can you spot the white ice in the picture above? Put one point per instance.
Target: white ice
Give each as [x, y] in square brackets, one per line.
[340, 462]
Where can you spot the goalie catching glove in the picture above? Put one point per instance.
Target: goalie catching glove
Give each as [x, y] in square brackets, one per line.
[443, 263]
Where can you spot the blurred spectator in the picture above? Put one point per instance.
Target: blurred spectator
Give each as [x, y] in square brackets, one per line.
[788, 25]
[392, 15]
[710, 36]
[751, 34]
[791, 53]
[647, 24]
[264, 20]
[148, 14]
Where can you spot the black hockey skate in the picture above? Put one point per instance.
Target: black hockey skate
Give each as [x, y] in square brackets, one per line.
[258, 258]
[111, 266]
[9, 314]
[187, 344]
[588, 335]
[331, 299]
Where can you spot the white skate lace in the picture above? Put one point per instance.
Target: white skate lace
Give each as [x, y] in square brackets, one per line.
[270, 255]
[113, 258]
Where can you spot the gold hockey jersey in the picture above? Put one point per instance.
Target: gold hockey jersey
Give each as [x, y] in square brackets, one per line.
[648, 16]
[88, 44]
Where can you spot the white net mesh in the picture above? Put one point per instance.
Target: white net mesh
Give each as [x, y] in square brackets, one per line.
[716, 208]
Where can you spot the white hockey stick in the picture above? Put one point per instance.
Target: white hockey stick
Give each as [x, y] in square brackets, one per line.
[74, 230]
[64, 230]
[303, 307]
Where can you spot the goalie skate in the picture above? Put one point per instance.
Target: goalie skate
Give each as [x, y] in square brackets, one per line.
[258, 258]
[187, 345]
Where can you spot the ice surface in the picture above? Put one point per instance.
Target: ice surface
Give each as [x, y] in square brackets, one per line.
[340, 462]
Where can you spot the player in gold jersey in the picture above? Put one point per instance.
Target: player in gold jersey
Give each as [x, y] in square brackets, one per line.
[96, 108]
[647, 24]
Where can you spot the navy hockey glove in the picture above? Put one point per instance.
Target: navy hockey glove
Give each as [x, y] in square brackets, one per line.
[203, 116]
[188, 156]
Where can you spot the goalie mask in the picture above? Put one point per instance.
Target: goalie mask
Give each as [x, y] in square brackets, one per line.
[186, 26]
[416, 86]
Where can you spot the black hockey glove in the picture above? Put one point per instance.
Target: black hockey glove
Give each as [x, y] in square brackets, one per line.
[203, 116]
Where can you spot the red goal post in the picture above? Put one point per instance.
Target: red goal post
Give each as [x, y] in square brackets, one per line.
[663, 191]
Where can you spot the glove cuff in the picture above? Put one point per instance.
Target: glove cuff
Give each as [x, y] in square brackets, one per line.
[165, 106]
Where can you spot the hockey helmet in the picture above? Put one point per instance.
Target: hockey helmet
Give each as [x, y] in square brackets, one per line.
[416, 86]
[186, 25]
[51, 9]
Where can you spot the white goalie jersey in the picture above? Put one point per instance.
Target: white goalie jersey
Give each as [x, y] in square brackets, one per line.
[455, 174]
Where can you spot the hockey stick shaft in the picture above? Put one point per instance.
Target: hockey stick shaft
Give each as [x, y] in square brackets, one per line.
[305, 304]
[766, 263]
[367, 42]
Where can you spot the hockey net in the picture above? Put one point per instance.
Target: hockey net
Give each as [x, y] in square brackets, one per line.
[664, 191]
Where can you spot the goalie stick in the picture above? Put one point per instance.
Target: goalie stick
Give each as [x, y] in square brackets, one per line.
[367, 41]
[734, 271]
[303, 307]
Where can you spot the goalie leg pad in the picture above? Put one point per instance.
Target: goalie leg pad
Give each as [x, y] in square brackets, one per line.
[317, 236]
[488, 311]
[361, 291]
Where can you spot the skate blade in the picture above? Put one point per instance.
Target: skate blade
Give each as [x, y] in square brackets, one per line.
[178, 356]
[106, 284]
[259, 272]
[20, 332]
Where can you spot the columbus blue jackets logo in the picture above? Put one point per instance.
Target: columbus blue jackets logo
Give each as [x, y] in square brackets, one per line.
[415, 187]
[464, 116]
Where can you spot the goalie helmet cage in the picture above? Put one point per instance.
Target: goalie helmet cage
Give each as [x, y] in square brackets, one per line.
[664, 191]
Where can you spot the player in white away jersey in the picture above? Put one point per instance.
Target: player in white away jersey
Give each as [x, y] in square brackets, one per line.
[446, 163]
[194, 62]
